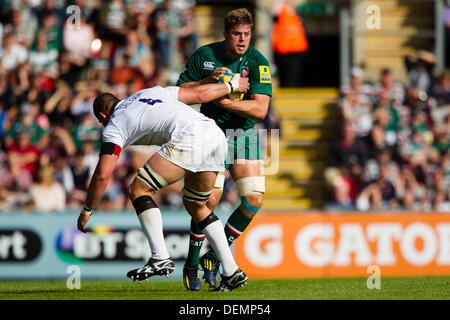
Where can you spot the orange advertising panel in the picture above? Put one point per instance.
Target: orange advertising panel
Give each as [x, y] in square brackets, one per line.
[293, 245]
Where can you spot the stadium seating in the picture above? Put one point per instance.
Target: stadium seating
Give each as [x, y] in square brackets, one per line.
[308, 119]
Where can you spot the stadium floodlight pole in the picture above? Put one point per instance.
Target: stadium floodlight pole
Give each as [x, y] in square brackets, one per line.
[439, 35]
[344, 46]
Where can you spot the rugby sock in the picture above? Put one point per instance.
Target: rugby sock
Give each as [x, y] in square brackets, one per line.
[196, 240]
[236, 224]
[213, 229]
[151, 222]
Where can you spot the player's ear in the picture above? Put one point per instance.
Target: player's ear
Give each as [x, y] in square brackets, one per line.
[103, 117]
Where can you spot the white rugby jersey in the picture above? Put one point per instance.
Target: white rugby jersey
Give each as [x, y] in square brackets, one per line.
[151, 117]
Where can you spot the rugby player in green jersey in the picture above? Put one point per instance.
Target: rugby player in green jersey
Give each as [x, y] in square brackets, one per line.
[237, 119]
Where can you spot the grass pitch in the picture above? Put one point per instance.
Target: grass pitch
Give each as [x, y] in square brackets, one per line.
[417, 288]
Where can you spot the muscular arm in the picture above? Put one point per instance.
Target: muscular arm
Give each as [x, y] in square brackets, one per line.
[255, 108]
[209, 92]
[212, 78]
[99, 181]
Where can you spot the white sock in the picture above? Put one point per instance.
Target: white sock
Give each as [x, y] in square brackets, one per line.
[216, 237]
[151, 222]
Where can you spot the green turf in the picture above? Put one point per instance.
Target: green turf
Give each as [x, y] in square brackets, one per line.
[287, 289]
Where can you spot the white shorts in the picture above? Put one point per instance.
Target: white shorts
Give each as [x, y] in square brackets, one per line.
[201, 147]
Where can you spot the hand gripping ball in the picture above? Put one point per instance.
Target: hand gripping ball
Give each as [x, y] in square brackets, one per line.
[224, 78]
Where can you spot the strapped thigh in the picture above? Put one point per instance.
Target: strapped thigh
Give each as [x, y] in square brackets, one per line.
[153, 179]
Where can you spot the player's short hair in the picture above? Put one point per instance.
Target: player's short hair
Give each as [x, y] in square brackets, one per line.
[238, 17]
[101, 103]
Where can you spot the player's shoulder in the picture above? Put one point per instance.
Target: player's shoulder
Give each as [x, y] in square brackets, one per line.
[255, 56]
[209, 49]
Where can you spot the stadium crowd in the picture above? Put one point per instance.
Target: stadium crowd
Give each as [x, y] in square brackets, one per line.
[394, 148]
[393, 151]
[55, 57]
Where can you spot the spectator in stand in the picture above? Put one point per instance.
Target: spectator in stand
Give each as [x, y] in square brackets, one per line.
[114, 20]
[356, 102]
[415, 151]
[394, 90]
[47, 194]
[357, 85]
[419, 66]
[136, 58]
[54, 8]
[22, 155]
[14, 181]
[52, 30]
[57, 107]
[410, 192]
[12, 54]
[381, 155]
[87, 130]
[379, 194]
[31, 122]
[438, 190]
[187, 31]
[439, 100]
[80, 174]
[136, 7]
[44, 58]
[387, 116]
[160, 18]
[346, 158]
[24, 24]
[441, 90]
[113, 199]
[357, 109]
[83, 101]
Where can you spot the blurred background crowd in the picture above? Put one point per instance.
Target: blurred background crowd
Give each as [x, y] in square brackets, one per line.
[392, 151]
[54, 60]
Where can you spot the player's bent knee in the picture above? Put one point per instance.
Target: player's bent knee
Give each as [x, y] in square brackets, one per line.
[214, 199]
[251, 190]
[138, 188]
[256, 200]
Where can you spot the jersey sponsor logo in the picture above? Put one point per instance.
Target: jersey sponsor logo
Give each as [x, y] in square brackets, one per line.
[244, 72]
[208, 65]
[264, 74]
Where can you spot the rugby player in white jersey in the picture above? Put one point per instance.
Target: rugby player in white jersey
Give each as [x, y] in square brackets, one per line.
[193, 147]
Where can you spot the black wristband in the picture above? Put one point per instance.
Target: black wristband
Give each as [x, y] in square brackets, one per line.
[231, 86]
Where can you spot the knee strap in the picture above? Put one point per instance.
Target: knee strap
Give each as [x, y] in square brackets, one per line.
[153, 179]
[250, 185]
[193, 195]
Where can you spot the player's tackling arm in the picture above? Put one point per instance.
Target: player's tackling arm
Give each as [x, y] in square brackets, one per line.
[256, 107]
[212, 78]
[208, 92]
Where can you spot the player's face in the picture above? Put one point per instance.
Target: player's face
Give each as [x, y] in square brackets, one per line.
[237, 40]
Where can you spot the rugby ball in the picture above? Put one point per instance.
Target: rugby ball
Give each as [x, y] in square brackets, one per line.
[224, 78]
